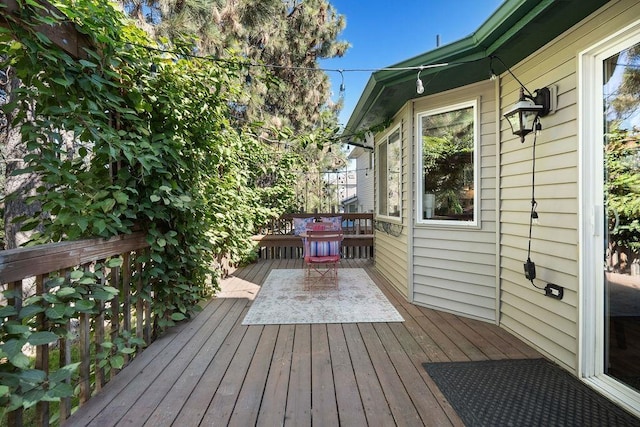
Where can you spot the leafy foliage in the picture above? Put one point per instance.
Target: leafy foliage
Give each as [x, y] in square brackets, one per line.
[129, 138]
[283, 88]
[64, 298]
[622, 149]
[623, 204]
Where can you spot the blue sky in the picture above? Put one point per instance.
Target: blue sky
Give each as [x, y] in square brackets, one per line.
[385, 32]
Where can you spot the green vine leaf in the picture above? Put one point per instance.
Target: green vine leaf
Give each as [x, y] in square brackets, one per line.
[31, 310]
[178, 317]
[117, 361]
[57, 312]
[41, 338]
[17, 329]
[104, 294]
[7, 311]
[66, 292]
[115, 262]
[64, 373]
[76, 274]
[84, 306]
[13, 350]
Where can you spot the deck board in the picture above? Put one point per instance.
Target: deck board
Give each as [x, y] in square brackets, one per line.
[324, 408]
[350, 409]
[179, 392]
[461, 340]
[402, 408]
[198, 402]
[182, 357]
[298, 411]
[376, 408]
[274, 399]
[247, 406]
[426, 406]
[212, 370]
[224, 399]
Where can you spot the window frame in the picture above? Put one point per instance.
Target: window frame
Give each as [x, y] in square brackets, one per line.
[591, 287]
[378, 160]
[473, 103]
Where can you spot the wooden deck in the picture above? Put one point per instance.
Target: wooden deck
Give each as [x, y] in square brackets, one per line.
[214, 371]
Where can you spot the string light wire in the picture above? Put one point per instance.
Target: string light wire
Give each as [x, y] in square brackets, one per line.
[305, 68]
[341, 71]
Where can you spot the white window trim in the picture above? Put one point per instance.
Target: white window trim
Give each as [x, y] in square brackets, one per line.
[384, 140]
[591, 335]
[476, 166]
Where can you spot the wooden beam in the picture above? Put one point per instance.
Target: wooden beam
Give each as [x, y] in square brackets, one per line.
[20, 263]
[65, 35]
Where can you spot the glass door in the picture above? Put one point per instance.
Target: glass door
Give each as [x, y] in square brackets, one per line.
[621, 193]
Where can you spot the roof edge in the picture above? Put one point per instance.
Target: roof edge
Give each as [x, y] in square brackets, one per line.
[497, 30]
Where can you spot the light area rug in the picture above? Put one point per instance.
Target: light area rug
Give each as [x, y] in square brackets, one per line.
[283, 300]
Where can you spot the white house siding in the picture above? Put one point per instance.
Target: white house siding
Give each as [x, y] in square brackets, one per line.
[550, 325]
[454, 268]
[391, 235]
[364, 176]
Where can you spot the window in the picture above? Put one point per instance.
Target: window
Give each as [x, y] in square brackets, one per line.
[390, 176]
[447, 164]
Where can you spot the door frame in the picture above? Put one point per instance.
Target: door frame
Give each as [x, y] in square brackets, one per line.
[591, 335]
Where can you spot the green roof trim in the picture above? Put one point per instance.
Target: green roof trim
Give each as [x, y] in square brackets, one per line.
[514, 31]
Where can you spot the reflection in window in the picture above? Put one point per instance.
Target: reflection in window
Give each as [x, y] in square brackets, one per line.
[621, 145]
[389, 178]
[447, 154]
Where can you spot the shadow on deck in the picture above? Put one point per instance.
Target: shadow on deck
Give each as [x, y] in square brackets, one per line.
[213, 370]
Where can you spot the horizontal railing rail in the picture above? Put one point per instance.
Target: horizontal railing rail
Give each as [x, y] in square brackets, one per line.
[277, 240]
[84, 300]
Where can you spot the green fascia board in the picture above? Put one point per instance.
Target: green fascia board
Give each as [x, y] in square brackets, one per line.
[514, 31]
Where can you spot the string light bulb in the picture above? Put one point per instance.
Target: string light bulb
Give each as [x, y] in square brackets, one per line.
[493, 73]
[419, 85]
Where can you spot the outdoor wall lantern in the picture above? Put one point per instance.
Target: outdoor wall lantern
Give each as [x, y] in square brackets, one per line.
[524, 116]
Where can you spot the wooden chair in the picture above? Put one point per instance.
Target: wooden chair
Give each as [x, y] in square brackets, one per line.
[321, 257]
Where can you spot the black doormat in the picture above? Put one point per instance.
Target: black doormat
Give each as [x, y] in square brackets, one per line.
[530, 392]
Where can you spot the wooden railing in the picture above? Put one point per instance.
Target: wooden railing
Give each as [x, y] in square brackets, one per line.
[39, 279]
[277, 240]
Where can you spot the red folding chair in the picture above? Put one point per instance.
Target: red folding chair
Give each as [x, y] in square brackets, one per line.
[321, 257]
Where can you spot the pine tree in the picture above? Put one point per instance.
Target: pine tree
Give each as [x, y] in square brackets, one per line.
[283, 39]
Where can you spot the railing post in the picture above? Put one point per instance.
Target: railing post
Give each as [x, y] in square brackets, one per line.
[99, 335]
[126, 296]
[85, 358]
[64, 358]
[85, 353]
[42, 357]
[147, 306]
[15, 290]
[139, 301]
[115, 313]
